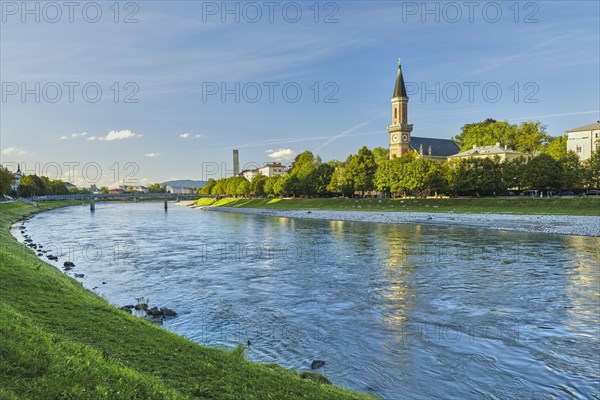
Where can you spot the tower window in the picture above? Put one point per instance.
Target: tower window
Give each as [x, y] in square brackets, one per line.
[395, 113]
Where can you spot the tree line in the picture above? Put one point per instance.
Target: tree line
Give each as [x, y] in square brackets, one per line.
[550, 169]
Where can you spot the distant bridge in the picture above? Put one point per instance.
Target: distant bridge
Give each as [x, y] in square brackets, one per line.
[121, 196]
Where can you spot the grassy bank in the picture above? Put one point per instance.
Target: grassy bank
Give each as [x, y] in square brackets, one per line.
[497, 205]
[60, 341]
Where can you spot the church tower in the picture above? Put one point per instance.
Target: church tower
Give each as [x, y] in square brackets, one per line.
[399, 130]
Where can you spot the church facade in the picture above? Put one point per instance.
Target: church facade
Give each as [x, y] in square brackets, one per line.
[400, 139]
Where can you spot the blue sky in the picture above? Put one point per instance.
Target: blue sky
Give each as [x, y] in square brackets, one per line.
[178, 55]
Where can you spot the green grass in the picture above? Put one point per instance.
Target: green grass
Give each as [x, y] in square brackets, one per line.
[60, 341]
[498, 205]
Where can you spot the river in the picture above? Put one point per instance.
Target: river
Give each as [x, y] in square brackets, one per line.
[401, 311]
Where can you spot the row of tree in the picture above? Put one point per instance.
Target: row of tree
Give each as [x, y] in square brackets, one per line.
[369, 170]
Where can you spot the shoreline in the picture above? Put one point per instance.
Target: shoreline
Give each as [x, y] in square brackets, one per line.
[110, 349]
[543, 224]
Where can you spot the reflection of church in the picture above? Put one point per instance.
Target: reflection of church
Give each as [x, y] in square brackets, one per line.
[401, 141]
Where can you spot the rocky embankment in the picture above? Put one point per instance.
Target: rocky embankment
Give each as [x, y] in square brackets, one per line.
[548, 224]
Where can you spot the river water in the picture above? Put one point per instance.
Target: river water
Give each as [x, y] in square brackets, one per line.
[401, 311]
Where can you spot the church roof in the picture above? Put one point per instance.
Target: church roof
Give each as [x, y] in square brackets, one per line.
[487, 150]
[399, 88]
[589, 127]
[439, 147]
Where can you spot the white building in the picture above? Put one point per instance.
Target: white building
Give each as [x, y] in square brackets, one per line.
[273, 169]
[179, 190]
[17, 175]
[268, 170]
[584, 140]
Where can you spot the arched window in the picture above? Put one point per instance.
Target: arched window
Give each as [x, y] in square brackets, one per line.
[395, 114]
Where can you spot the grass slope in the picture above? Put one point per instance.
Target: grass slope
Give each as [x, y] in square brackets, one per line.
[498, 205]
[60, 341]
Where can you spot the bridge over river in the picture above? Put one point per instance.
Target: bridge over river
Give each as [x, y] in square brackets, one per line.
[121, 196]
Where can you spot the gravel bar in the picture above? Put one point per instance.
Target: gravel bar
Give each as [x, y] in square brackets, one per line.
[548, 224]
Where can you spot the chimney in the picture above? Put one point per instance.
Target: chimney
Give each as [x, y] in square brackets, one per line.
[474, 146]
[498, 144]
[236, 163]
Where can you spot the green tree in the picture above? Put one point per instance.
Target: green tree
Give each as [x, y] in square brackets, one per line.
[557, 147]
[207, 189]
[362, 168]
[513, 172]
[258, 185]
[591, 171]
[6, 180]
[32, 185]
[380, 154]
[156, 188]
[572, 171]
[271, 185]
[437, 178]
[341, 181]
[543, 173]
[104, 190]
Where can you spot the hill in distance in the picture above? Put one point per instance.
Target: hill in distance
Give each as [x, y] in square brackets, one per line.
[185, 183]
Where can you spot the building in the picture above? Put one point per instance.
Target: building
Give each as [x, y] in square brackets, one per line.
[249, 174]
[504, 153]
[70, 186]
[273, 169]
[268, 170]
[179, 190]
[236, 162]
[401, 141]
[584, 140]
[17, 176]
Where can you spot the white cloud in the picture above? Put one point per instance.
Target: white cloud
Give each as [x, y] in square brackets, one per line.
[116, 135]
[73, 136]
[152, 154]
[282, 154]
[13, 151]
[189, 135]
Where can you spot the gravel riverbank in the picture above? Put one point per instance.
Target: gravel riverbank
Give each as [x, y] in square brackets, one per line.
[548, 224]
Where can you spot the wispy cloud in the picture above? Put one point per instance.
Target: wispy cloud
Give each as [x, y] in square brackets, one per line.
[282, 154]
[152, 155]
[597, 112]
[115, 135]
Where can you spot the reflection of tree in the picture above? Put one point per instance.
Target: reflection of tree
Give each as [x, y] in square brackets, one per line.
[584, 278]
[397, 243]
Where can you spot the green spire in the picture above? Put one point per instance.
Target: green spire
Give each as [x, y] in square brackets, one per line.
[399, 89]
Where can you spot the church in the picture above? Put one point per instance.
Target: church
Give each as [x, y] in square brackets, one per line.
[401, 140]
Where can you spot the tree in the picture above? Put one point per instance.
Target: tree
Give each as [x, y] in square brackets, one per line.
[557, 147]
[513, 172]
[543, 173]
[591, 171]
[572, 171]
[6, 180]
[437, 178]
[104, 190]
[380, 154]
[485, 133]
[271, 185]
[207, 189]
[156, 188]
[258, 185]
[362, 168]
[32, 185]
[529, 137]
[341, 181]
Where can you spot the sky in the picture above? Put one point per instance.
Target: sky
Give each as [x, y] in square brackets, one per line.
[148, 91]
